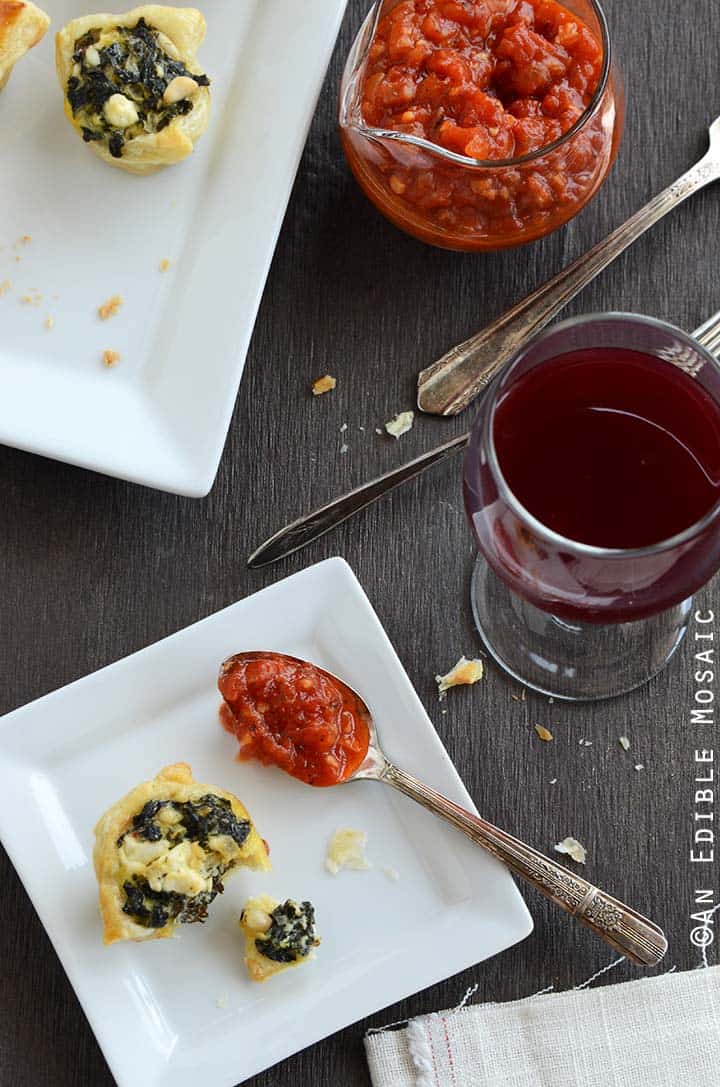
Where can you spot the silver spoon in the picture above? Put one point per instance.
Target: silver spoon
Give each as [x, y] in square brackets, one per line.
[628, 932]
[313, 525]
[448, 385]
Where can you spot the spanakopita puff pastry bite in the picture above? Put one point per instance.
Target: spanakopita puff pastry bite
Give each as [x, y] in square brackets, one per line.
[133, 88]
[278, 935]
[163, 851]
[22, 25]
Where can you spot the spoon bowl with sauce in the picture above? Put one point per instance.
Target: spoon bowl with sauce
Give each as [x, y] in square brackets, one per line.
[287, 712]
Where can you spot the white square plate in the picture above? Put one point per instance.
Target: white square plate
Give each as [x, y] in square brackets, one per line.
[173, 1013]
[160, 416]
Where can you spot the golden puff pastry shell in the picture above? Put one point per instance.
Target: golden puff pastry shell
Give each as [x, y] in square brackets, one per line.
[253, 923]
[185, 29]
[22, 25]
[175, 782]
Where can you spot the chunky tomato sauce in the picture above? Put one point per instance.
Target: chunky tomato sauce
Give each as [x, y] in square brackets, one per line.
[290, 714]
[493, 80]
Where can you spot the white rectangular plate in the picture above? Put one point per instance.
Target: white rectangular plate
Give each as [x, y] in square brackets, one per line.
[173, 1013]
[160, 416]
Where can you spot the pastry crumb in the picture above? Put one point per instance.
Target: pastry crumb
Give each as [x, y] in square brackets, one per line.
[323, 384]
[25, 239]
[639, 766]
[346, 849]
[391, 873]
[5, 286]
[49, 323]
[344, 448]
[109, 309]
[465, 672]
[164, 264]
[624, 743]
[343, 428]
[33, 299]
[400, 425]
[553, 781]
[572, 847]
[110, 358]
[544, 733]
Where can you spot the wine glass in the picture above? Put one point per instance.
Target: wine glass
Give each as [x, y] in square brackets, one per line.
[588, 618]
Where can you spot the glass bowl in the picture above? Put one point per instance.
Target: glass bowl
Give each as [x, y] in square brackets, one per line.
[455, 202]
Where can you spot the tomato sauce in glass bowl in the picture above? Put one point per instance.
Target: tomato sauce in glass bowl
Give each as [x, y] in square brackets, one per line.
[480, 124]
[288, 713]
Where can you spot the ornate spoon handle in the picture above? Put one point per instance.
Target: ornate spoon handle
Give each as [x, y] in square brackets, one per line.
[449, 385]
[628, 932]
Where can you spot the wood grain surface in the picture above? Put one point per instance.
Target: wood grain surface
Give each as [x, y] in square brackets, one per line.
[93, 569]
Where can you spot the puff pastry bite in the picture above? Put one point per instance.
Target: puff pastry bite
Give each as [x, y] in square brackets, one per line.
[278, 935]
[133, 88]
[162, 852]
[22, 25]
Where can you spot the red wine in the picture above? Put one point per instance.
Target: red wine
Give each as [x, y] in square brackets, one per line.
[610, 447]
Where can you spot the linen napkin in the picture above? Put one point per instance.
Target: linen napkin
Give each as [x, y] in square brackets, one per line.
[659, 1032]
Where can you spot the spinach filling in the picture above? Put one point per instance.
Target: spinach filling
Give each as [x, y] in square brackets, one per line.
[153, 909]
[135, 66]
[291, 935]
[197, 821]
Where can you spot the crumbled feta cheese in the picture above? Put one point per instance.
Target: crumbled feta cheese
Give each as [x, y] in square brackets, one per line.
[572, 847]
[400, 424]
[120, 112]
[346, 849]
[92, 57]
[464, 672]
[182, 86]
[256, 920]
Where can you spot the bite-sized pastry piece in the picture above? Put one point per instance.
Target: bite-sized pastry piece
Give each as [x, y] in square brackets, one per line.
[277, 935]
[133, 88]
[22, 25]
[163, 851]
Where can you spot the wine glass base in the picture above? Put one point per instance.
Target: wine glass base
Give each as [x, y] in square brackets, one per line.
[578, 662]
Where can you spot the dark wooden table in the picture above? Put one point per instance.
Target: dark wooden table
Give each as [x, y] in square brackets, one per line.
[93, 569]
